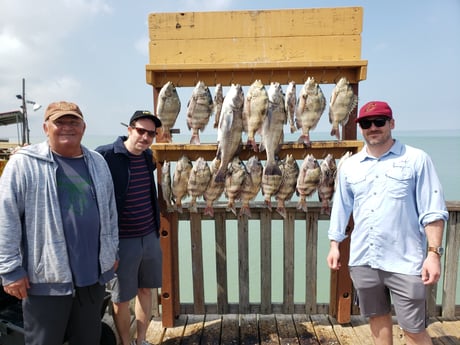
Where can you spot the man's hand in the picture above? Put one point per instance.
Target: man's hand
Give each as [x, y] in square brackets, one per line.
[431, 269]
[18, 289]
[333, 258]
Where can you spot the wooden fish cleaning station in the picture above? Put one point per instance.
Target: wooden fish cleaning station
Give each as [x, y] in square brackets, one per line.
[240, 47]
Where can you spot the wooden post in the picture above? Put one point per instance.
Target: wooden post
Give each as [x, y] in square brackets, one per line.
[341, 294]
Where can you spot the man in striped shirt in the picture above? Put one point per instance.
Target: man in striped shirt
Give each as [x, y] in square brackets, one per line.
[131, 163]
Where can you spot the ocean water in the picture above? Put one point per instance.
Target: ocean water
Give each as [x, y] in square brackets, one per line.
[442, 146]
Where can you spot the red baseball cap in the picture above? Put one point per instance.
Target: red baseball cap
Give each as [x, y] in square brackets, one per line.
[375, 108]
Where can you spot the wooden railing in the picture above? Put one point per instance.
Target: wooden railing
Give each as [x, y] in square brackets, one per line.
[265, 223]
[224, 222]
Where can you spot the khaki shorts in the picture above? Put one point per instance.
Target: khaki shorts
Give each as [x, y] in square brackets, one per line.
[377, 289]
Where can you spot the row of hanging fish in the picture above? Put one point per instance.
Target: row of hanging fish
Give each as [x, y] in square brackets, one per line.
[243, 182]
[257, 112]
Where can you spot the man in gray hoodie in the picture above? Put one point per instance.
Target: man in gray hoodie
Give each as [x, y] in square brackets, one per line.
[59, 232]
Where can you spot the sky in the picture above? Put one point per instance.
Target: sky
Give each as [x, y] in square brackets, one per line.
[94, 52]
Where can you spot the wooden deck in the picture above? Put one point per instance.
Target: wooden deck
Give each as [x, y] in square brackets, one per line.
[285, 329]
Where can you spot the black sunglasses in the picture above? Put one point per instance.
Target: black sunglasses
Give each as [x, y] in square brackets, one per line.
[142, 131]
[366, 124]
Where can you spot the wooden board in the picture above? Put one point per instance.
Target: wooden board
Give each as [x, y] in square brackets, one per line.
[271, 45]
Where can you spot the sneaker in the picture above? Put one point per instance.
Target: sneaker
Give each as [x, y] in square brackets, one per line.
[144, 342]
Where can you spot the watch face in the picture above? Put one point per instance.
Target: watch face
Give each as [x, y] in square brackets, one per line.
[440, 250]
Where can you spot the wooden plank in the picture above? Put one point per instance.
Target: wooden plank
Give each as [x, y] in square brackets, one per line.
[265, 262]
[438, 335]
[451, 265]
[170, 268]
[245, 74]
[286, 329]
[362, 330]
[311, 260]
[197, 263]
[220, 230]
[324, 330]
[451, 327]
[305, 330]
[243, 264]
[248, 329]
[173, 335]
[252, 52]
[211, 330]
[268, 332]
[344, 332]
[155, 331]
[261, 23]
[193, 330]
[173, 152]
[230, 329]
[288, 252]
[341, 284]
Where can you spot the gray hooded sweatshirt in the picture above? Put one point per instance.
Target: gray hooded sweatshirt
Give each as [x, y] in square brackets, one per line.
[32, 240]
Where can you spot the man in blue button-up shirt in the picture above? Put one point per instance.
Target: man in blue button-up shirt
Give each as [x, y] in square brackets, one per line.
[398, 209]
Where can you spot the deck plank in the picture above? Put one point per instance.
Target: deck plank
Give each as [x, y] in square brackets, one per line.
[249, 334]
[361, 328]
[267, 330]
[286, 329]
[344, 332]
[230, 329]
[193, 330]
[283, 329]
[305, 330]
[211, 330]
[324, 330]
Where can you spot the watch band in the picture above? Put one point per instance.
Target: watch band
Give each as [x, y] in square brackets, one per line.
[437, 250]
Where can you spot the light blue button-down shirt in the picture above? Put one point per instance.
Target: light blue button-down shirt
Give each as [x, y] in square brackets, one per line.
[392, 198]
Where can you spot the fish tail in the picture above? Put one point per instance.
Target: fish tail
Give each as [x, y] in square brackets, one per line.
[209, 211]
[272, 169]
[195, 139]
[220, 176]
[245, 211]
[282, 211]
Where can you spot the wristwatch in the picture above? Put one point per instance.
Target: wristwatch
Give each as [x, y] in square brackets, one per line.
[437, 250]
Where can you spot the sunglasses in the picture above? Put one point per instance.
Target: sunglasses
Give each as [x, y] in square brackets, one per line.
[366, 124]
[142, 131]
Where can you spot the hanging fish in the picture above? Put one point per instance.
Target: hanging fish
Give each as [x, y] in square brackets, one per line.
[233, 182]
[310, 107]
[180, 180]
[168, 109]
[307, 182]
[270, 185]
[251, 184]
[272, 128]
[166, 188]
[343, 101]
[199, 109]
[326, 183]
[290, 170]
[254, 111]
[290, 104]
[214, 189]
[198, 182]
[217, 104]
[230, 129]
